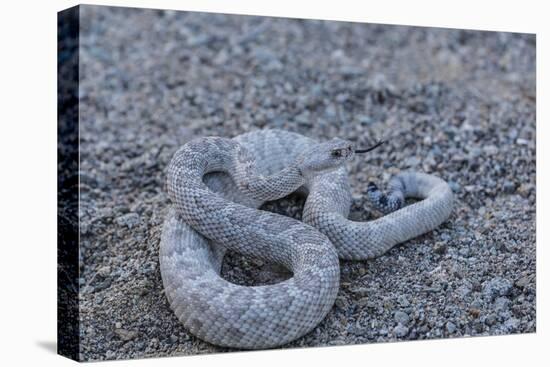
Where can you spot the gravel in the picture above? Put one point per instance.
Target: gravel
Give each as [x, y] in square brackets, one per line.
[458, 104]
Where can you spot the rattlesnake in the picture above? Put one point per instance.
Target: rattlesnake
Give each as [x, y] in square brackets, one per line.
[216, 185]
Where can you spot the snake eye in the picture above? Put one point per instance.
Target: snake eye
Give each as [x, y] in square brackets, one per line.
[336, 153]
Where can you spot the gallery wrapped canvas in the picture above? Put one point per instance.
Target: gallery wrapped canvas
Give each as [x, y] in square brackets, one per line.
[231, 182]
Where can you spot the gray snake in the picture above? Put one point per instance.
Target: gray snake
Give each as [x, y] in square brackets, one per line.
[216, 185]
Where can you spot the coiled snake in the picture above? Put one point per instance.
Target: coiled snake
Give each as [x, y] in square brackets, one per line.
[216, 185]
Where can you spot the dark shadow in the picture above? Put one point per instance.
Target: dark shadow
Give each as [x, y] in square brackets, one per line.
[50, 346]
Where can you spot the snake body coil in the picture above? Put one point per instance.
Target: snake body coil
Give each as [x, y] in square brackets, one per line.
[217, 184]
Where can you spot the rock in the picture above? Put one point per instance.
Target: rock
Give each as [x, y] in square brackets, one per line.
[451, 327]
[400, 330]
[401, 318]
[364, 119]
[471, 188]
[501, 304]
[341, 303]
[87, 178]
[126, 334]
[490, 149]
[475, 312]
[303, 119]
[454, 186]
[497, 287]
[104, 271]
[110, 354]
[129, 220]
[362, 271]
[463, 290]
[522, 282]
[511, 324]
[403, 301]
[478, 326]
[102, 285]
[491, 319]
[412, 162]
[361, 292]
[440, 248]
[509, 187]
[464, 251]
[358, 331]
[477, 303]
[522, 142]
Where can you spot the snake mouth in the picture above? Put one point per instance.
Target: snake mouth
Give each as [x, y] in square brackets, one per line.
[370, 148]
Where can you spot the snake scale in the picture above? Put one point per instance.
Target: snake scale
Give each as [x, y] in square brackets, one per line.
[216, 186]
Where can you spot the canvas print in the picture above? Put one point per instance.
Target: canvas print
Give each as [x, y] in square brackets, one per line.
[231, 182]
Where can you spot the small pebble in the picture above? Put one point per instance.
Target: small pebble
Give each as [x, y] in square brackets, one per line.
[451, 327]
[491, 319]
[126, 334]
[401, 317]
[400, 331]
[497, 287]
[440, 248]
[129, 220]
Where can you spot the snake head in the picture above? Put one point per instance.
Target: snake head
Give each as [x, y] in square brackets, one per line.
[325, 157]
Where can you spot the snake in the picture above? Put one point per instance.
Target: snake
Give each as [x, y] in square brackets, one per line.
[216, 186]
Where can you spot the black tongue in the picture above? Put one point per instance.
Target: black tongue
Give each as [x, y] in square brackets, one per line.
[370, 148]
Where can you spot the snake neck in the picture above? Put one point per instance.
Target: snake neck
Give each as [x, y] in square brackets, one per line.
[246, 175]
[213, 154]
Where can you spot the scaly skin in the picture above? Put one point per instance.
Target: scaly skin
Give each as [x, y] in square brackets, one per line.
[217, 184]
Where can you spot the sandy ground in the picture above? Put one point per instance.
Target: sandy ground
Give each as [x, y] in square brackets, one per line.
[458, 104]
